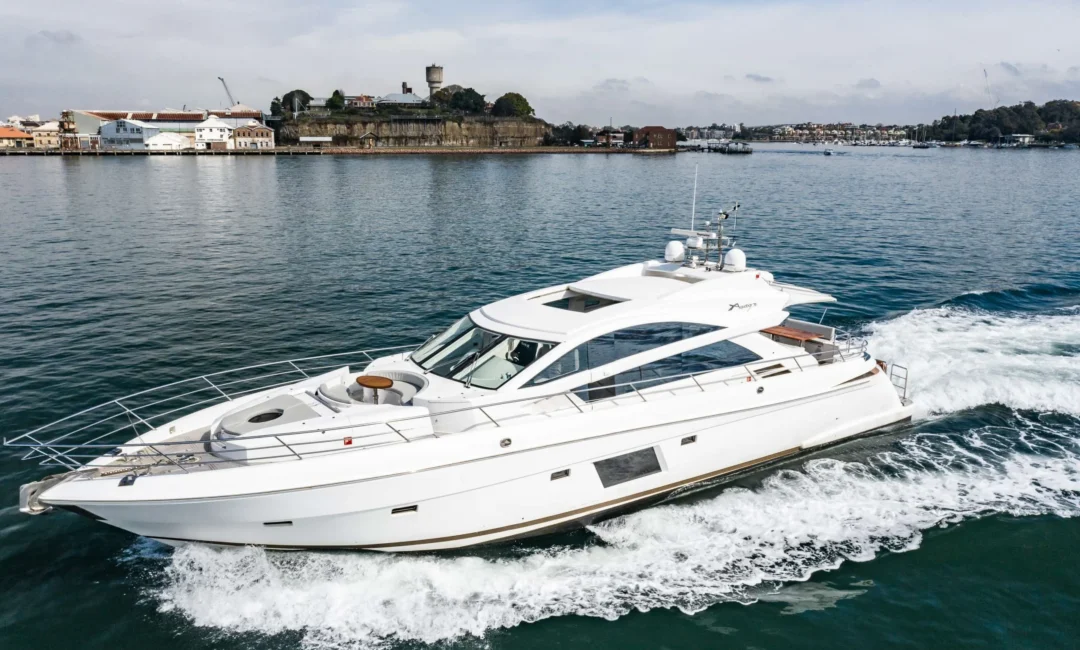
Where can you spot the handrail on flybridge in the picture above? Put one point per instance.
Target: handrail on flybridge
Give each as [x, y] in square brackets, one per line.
[61, 451]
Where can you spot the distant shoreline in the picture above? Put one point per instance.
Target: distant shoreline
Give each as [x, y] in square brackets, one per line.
[342, 151]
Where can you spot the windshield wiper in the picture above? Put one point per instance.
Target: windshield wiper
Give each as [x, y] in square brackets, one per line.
[470, 357]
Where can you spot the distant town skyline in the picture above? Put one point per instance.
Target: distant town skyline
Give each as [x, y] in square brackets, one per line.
[637, 63]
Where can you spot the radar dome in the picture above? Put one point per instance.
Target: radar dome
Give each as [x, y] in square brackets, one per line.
[674, 251]
[735, 260]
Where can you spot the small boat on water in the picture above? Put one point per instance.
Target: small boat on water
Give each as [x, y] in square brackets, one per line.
[829, 152]
[539, 412]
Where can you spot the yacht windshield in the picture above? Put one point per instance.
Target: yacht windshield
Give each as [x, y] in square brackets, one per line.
[476, 356]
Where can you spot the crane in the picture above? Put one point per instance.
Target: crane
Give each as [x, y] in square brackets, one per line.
[232, 102]
[986, 77]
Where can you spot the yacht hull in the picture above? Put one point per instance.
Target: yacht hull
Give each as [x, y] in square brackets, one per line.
[542, 481]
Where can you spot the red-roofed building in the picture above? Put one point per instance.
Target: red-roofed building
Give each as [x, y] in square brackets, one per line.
[655, 137]
[86, 124]
[11, 138]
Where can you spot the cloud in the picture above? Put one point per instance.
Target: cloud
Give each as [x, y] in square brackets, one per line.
[582, 61]
[868, 84]
[1010, 68]
[60, 37]
[612, 86]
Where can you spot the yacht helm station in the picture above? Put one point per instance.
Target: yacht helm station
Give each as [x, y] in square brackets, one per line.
[539, 412]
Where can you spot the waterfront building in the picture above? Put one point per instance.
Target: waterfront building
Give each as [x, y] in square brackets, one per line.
[47, 136]
[12, 138]
[24, 124]
[655, 137]
[168, 141]
[316, 141]
[214, 134]
[611, 138]
[84, 126]
[129, 135]
[254, 135]
[359, 101]
[401, 99]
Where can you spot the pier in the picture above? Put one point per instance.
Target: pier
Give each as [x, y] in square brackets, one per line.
[733, 148]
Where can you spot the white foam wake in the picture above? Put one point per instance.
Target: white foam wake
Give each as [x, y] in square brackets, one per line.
[959, 358]
[736, 546]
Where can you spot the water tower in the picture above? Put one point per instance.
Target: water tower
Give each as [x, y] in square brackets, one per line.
[434, 79]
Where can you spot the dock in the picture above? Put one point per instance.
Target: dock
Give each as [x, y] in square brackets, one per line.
[731, 148]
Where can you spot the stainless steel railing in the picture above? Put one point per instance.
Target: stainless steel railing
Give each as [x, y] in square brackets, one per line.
[51, 446]
[182, 397]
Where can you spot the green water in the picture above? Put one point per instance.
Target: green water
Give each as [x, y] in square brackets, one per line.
[958, 531]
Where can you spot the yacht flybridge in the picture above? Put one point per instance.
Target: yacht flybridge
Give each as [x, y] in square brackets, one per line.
[543, 411]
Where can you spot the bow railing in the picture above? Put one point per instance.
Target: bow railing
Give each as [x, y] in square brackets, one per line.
[74, 444]
[150, 407]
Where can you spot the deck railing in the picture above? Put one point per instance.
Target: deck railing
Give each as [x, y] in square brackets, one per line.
[72, 444]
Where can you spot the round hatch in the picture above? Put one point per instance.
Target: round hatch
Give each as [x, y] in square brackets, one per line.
[266, 416]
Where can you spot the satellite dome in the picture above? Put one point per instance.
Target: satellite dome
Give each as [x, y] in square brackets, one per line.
[674, 251]
[735, 260]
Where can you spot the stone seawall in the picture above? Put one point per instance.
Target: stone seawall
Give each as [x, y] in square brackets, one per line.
[358, 151]
[379, 133]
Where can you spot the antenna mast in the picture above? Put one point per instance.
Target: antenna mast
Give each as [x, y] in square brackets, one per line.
[693, 203]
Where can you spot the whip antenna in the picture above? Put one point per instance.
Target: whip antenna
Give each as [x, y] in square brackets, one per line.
[693, 203]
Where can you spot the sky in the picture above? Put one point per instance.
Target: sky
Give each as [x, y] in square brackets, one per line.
[638, 62]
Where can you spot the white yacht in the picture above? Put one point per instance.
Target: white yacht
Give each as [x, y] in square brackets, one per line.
[543, 411]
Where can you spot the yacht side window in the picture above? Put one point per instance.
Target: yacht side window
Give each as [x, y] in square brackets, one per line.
[715, 356]
[618, 345]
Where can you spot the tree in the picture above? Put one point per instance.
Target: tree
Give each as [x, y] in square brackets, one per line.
[336, 101]
[303, 100]
[583, 132]
[512, 105]
[468, 101]
[442, 97]
[275, 107]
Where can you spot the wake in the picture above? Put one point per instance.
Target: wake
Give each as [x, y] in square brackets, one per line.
[738, 546]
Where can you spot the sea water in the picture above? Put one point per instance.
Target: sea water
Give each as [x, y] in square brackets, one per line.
[964, 266]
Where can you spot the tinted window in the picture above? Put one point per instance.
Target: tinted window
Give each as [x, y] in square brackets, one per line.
[618, 345]
[627, 467]
[580, 302]
[722, 354]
